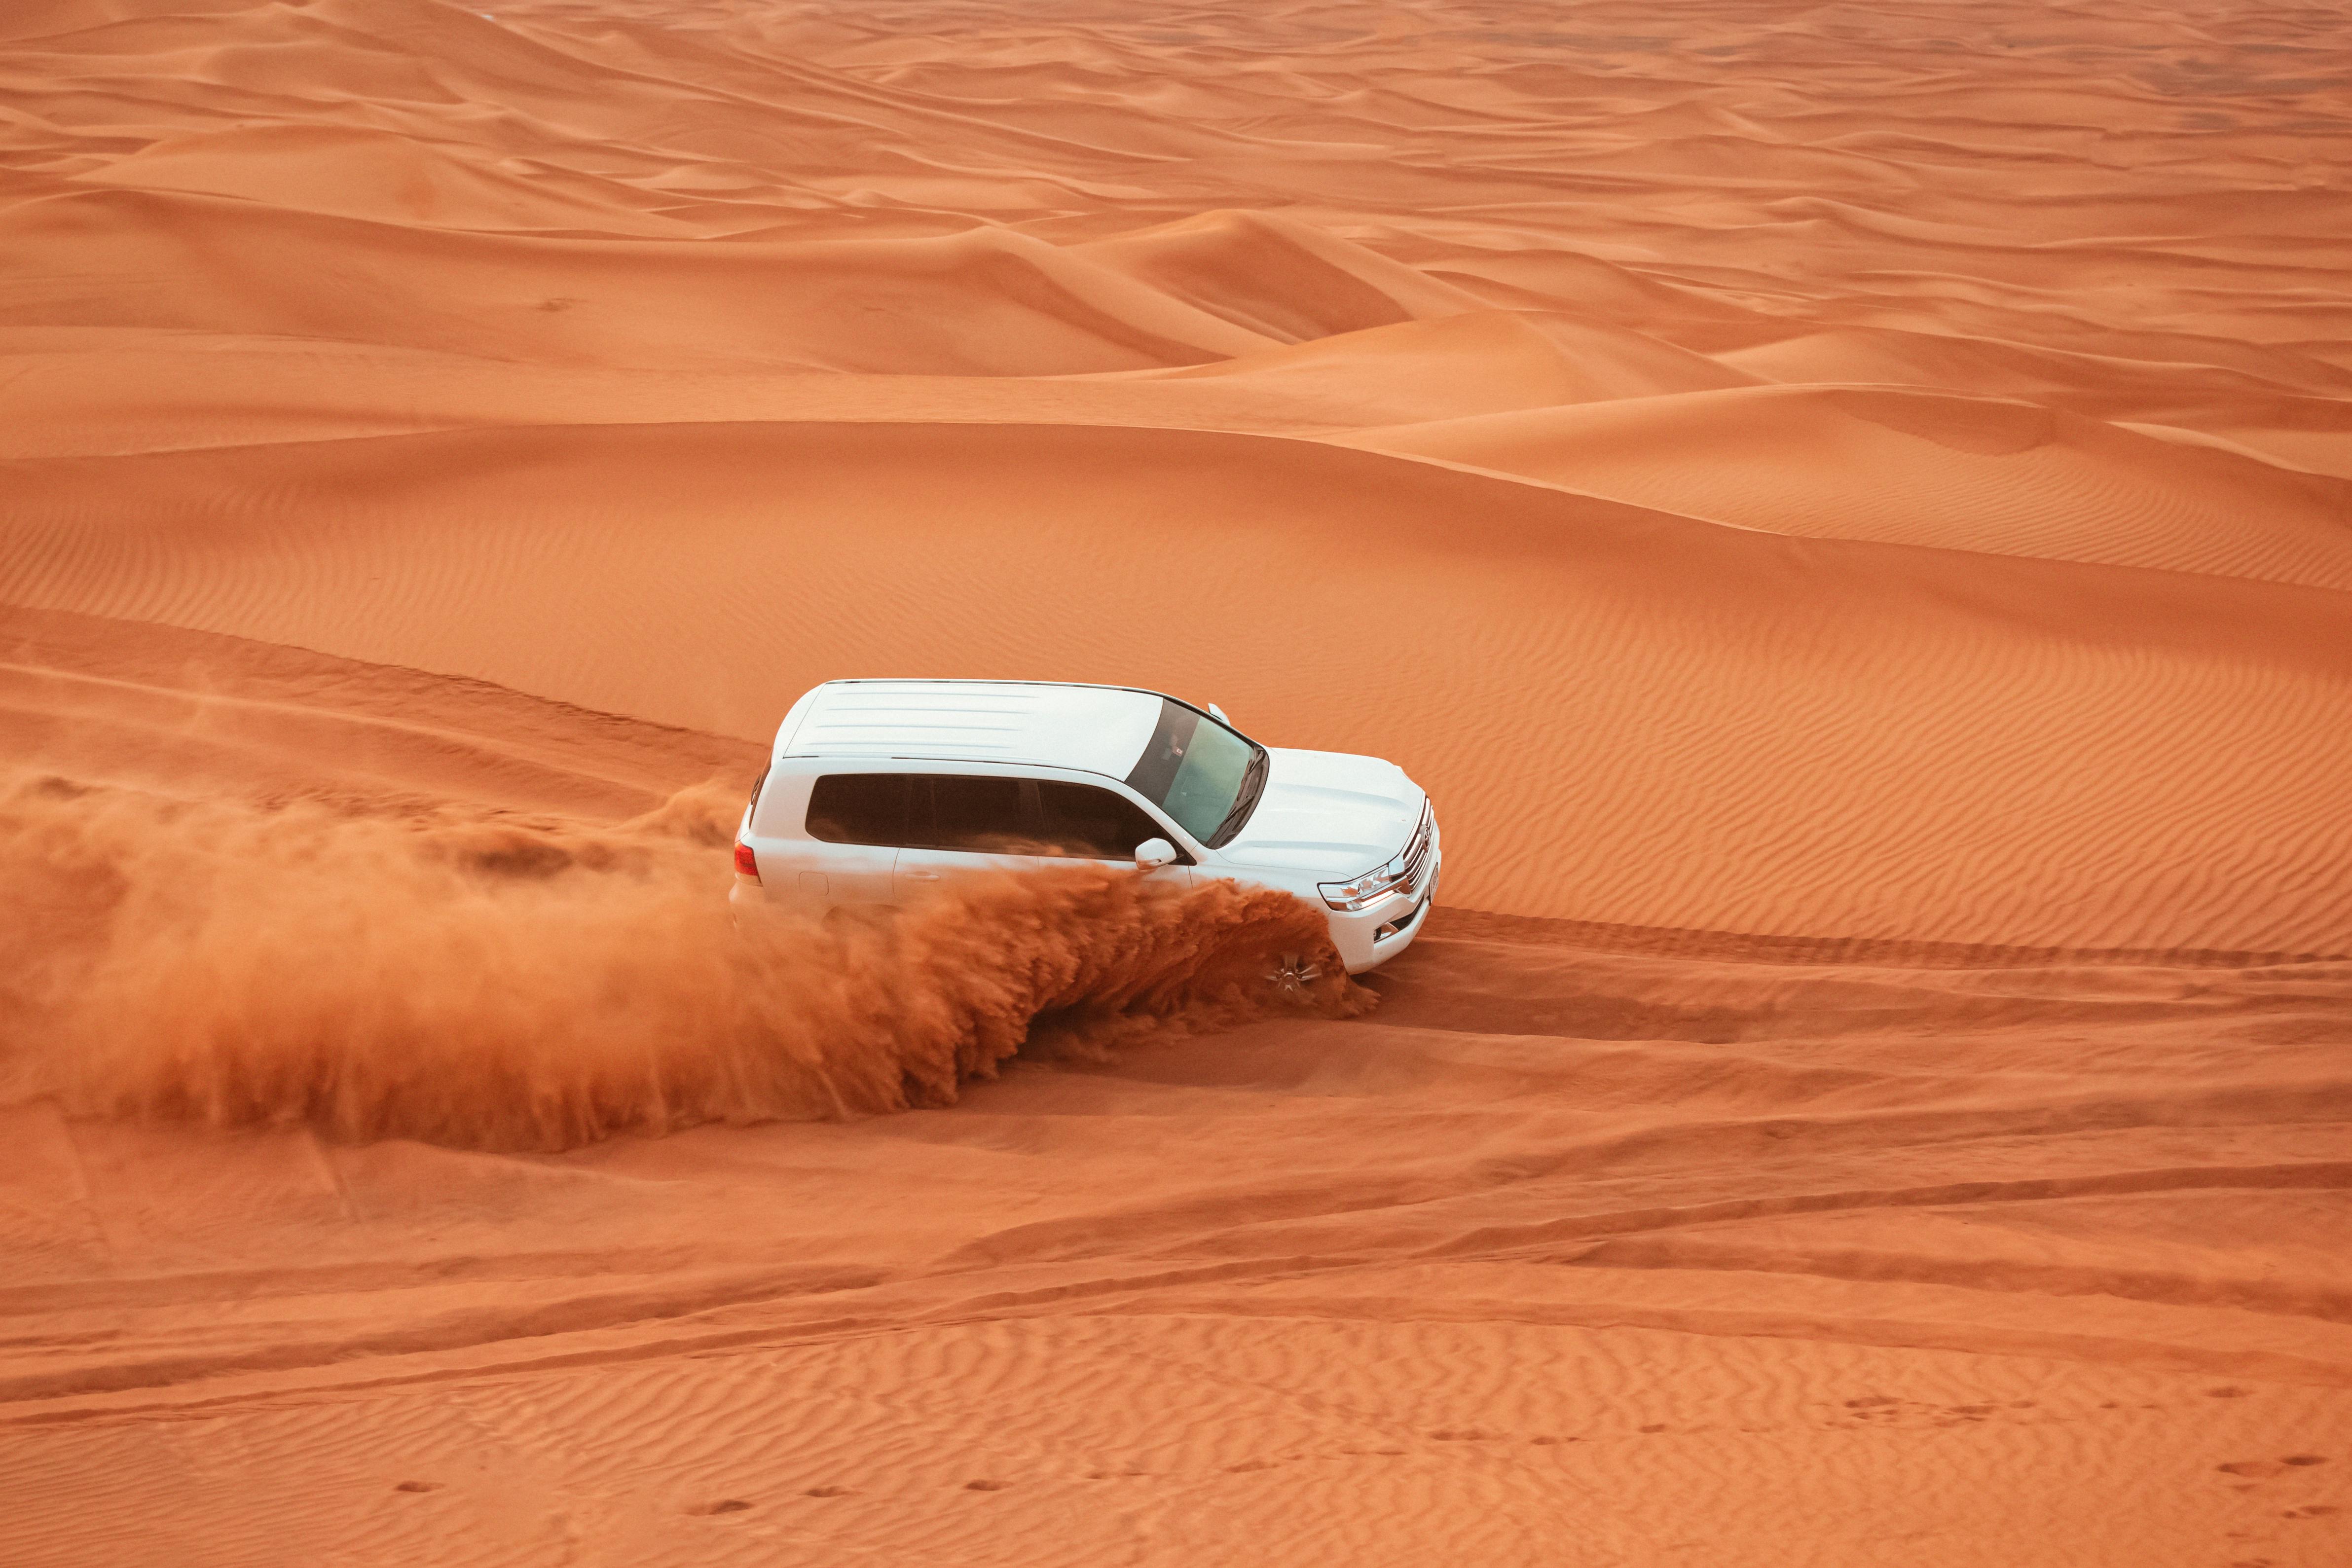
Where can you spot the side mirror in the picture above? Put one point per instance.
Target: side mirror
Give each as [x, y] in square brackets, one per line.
[1218, 714]
[1153, 854]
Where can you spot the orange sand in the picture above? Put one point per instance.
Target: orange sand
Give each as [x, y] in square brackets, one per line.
[1848, 511]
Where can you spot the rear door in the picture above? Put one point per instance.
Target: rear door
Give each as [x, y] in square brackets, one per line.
[857, 823]
[959, 822]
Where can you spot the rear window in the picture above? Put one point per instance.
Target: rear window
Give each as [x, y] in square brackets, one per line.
[969, 812]
[859, 809]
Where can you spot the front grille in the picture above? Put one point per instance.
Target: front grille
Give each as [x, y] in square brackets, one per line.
[1416, 852]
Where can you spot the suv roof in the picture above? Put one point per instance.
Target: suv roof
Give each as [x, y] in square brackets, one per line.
[1096, 730]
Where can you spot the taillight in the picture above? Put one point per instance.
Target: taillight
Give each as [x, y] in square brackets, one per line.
[746, 863]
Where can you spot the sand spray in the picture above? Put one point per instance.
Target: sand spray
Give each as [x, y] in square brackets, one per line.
[497, 982]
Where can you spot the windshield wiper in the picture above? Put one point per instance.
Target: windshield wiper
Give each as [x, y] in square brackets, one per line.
[1244, 799]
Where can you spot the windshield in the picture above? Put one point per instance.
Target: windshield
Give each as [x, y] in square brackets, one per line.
[1201, 773]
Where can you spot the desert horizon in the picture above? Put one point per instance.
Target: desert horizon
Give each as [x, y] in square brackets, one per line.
[1847, 513]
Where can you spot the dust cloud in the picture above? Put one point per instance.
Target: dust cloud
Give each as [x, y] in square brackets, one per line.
[536, 984]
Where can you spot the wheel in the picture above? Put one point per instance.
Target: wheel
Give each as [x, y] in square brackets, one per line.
[1292, 974]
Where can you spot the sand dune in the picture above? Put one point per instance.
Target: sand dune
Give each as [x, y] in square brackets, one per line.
[985, 303]
[189, 715]
[375, 175]
[1457, 366]
[1278, 278]
[2000, 475]
[1967, 1214]
[1845, 509]
[1734, 780]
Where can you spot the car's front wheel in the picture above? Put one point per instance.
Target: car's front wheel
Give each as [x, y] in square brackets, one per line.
[1293, 974]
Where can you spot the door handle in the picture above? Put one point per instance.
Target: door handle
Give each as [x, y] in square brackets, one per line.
[920, 876]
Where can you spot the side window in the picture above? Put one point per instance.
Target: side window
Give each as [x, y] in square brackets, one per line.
[975, 813]
[1080, 820]
[859, 809]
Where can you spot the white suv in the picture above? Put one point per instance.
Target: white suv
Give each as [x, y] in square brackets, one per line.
[877, 789]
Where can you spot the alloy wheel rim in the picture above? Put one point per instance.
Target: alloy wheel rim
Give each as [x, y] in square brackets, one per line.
[1293, 974]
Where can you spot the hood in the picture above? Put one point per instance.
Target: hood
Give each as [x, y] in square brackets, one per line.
[1329, 813]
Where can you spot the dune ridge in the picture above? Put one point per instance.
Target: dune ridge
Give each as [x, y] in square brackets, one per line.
[1996, 476]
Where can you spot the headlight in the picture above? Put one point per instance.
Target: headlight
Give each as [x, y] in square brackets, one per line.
[1366, 889]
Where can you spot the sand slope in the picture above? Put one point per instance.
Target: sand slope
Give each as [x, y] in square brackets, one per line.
[1845, 509]
[1983, 1229]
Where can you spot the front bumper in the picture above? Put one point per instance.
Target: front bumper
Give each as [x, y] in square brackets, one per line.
[1367, 938]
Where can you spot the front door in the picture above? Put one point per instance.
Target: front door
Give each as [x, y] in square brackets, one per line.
[1086, 821]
